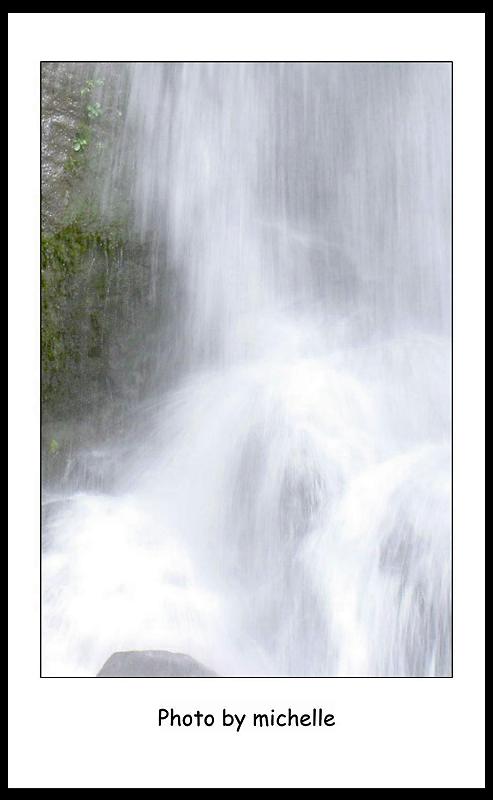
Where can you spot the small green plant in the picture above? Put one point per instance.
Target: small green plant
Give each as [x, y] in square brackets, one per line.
[93, 110]
[80, 143]
[54, 447]
[90, 85]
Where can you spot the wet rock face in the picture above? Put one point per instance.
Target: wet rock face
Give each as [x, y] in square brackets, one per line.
[60, 118]
[153, 664]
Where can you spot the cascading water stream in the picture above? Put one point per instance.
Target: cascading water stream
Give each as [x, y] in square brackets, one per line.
[290, 513]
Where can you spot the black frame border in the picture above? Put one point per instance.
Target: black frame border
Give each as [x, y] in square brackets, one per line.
[274, 677]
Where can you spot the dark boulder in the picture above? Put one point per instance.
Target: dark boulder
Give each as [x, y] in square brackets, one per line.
[153, 664]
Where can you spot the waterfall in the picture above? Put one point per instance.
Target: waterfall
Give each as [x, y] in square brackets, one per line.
[286, 511]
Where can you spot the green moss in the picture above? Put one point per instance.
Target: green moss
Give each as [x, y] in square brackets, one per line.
[102, 315]
[70, 242]
[74, 276]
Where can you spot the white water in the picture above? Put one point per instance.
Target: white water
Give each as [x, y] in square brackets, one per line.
[291, 515]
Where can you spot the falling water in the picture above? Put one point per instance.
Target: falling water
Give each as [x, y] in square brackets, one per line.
[289, 511]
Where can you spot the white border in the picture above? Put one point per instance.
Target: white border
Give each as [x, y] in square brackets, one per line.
[389, 733]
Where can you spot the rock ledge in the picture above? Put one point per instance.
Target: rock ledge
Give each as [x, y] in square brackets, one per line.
[153, 664]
